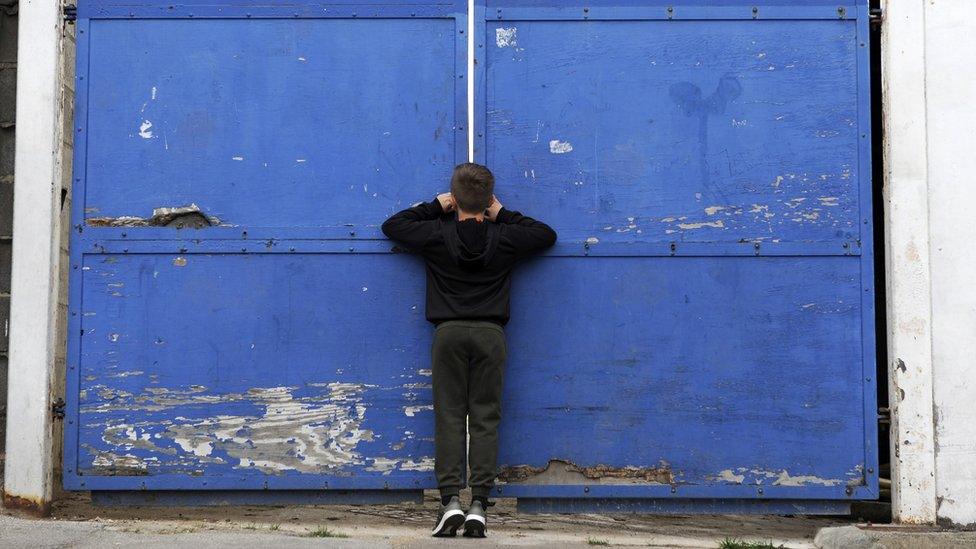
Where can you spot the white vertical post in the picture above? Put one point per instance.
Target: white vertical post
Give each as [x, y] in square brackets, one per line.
[908, 270]
[950, 46]
[35, 272]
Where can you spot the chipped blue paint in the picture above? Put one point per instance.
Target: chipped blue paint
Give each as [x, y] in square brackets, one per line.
[703, 330]
[242, 355]
[723, 369]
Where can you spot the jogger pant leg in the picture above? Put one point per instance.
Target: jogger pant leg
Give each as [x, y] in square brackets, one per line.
[449, 358]
[468, 359]
[486, 374]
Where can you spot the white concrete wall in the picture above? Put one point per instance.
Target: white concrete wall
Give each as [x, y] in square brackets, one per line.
[930, 152]
[36, 310]
[950, 76]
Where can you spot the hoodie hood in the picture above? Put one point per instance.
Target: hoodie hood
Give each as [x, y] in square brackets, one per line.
[475, 254]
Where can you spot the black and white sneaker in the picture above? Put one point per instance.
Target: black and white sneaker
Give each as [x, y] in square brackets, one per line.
[475, 522]
[450, 519]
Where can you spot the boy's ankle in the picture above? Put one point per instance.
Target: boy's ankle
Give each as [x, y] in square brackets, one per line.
[448, 493]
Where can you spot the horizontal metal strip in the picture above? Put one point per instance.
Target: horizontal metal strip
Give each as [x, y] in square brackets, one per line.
[673, 13]
[561, 249]
[73, 481]
[171, 498]
[308, 11]
[686, 491]
[292, 482]
[681, 506]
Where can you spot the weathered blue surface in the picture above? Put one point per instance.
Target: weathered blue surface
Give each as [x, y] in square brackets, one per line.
[736, 139]
[702, 331]
[277, 346]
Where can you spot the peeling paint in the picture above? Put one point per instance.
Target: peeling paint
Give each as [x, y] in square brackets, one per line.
[712, 210]
[506, 37]
[145, 130]
[411, 411]
[688, 226]
[313, 434]
[560, 147]
[179, 216]
[785, 479]
[728, 476]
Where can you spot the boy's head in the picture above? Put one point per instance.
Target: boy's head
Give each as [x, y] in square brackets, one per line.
[473, 186]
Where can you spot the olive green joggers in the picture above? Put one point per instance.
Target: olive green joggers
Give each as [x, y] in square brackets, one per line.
[468, 368]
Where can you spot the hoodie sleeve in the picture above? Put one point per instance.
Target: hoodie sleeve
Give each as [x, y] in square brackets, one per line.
[413, 226]
[526, 235]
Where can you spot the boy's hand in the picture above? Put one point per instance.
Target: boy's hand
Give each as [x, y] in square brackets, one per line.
[496, 206]
[447, 201]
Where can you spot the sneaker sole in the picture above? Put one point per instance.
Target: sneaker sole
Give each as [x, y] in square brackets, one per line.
[449, 524]
[474, 527]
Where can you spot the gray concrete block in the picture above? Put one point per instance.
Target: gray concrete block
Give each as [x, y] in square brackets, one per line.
[892, 537]
[8, 37]
[6, 205]
[5, 249]
[7, 139]
[8, 95]
[4, 324]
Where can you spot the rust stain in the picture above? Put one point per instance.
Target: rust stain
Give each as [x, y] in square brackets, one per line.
[561, 471]
[35, 507]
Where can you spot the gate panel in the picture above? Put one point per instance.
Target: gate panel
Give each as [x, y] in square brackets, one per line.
[704, 327]
[237, 319]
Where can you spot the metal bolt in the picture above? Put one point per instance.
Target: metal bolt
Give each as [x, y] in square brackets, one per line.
[760, 490]
[586, 489]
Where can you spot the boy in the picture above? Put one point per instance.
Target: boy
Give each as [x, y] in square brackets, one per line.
[470, 243]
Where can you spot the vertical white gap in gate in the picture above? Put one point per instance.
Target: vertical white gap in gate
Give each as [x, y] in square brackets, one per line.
[470, 32]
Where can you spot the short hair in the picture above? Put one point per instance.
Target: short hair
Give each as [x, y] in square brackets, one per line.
[473, 187]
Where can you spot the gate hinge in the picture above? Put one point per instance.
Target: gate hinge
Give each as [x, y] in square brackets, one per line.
[70, 13]
[57, 408]
[876, 16]
[884, 416]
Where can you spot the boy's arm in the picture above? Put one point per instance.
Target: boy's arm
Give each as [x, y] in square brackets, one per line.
[528, 235]
[413, 226]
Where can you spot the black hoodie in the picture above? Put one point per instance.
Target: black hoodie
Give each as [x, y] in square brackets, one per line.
[469, 263]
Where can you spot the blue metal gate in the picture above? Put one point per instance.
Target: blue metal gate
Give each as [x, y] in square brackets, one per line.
[701, 338]
[703, 330]
[237, 319]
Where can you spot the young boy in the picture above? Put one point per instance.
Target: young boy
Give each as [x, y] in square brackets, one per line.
[470, 243]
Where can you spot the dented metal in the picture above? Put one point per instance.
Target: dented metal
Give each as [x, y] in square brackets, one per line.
[560, 471]
[180, 217]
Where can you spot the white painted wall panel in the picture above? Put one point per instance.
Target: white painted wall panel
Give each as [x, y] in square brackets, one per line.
[950, 58]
